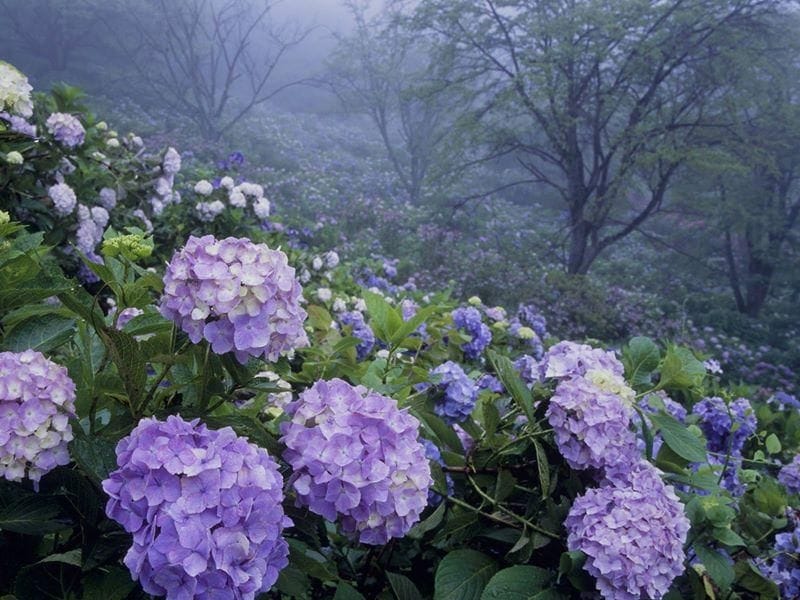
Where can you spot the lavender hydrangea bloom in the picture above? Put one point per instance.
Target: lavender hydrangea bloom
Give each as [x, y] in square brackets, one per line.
[19, 124]
[432, 453]
[469, 320]
[491, 383]
[783, 568]
[568, 359]
[360, 330]
[66, 129]
[592, 427]
[204, 509]
[632, 533]
[789, 475]
[63, 197]
[126, 315]
[529, 315]
[528, 368]
[726, 426]
[239, 296]
[37, 398]
[355, 454]
[171, 163]
[460, 393]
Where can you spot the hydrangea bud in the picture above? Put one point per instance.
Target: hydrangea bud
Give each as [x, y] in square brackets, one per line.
[239, 296]
[131, 246]
[203, 507]
[358, 457]
[37, 398]
[14, 158]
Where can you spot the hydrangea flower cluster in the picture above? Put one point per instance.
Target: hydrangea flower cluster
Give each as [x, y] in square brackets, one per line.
[789, 475]
[208, 211]
[204, 508]
[529, 315]
[91, 226]
[63, 197]
[726, 426]
[568, 359]
[171, 163]
[632, 533]
[15, 91]
[592, 427]
[355, 454]
[460, 393]
[239, 296]
[66, 129]
[360, 330]
[469, 320]
[783, 569]
[108, 198]
[19, 124]
[37, 398]
[528, 368]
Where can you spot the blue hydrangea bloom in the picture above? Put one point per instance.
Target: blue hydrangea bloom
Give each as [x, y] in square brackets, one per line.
[360, 330]
[784, 567]
[469, 320]
[726, 426]
[460, 393]
[789, 476]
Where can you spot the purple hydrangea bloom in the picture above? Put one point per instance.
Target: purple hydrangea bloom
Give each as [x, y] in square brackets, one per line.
[171, 162]
[491, 383]
[63, 197]
[37, 398]
[460, 393]
[568, 359]
[204, 509]
[360, 330]
[432, 453]
[528, 368]
[592, 427]
[19, 124]
[469, 320]
[784, 568]
[632, 533]
[66, 129]
[726, 426]
[240, 296]
[357, 456]
[789, 475]
[530, 316]
[126, 315]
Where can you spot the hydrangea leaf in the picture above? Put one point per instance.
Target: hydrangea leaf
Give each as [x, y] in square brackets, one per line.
[43, 333]
[750, 577]
[680, 369]
[520, 582]
[463, 575]
[680, 439]
[402, 587]
[640, 357]
[345, 591]
[719, 567]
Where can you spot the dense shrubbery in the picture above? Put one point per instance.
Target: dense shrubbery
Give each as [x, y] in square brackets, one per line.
[221, 444]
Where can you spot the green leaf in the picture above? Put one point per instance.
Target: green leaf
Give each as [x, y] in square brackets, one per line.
[442, 430]
[543, 467]
[127, 356]
[345, 591]
[31, 514]
[769, 497]
[718, 566]
[680, 439]
[513, 383]
[402, 587]
[108, 583]
[463, 575]
[640, 357]
[385, 320]
[773, 444]
[428, 524]
[72, 557]
[95, 455]
[680, 369]
[43, 333]
[727, 536]
[410, 326]
[750, 578]
[520, 582]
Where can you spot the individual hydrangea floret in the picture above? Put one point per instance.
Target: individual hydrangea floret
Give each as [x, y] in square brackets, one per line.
[37, 399]
[239, 296]
[469, 320]
[568, 359]
[15, 91]
[726, 426]
[632, 533]
[360, 330]
[460, 393]
[204, 508]
[63, 197]
[358, 457]
[66, 129]
[789, 475]
[592, 427]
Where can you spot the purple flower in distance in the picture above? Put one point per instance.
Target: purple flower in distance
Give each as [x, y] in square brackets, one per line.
[632, 532]
[358, 457]
[460, 393]
[66, 129]
[203, 507]
[37, 399]
[469, 320]
[237, 295]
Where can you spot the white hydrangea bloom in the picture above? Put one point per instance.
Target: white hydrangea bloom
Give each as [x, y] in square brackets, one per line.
[15, 91]
[261, 208]
[203, 187]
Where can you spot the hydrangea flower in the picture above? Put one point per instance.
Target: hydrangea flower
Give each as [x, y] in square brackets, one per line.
[203, 187]
[237, 200]
[491, 383]
[528, 368]
[460, 393]
[91, 226]
[469, 320]
[171, 163]
[126, 315]
[726, 425]
[239, 296]
[63, 197]
[360, 330]
[15, 91]
[432, 453]
[208, 211]
[37, 398]
[357, 456]
[261, 208]
[783, 568]
[204, 509]
[632, 533]
[66, 129]
[568, 359]
[529, 315]
[108, 198]
[592, 427]
[789, 475]
[19, 124]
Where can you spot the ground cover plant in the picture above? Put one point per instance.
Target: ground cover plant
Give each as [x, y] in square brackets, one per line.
[200, 401]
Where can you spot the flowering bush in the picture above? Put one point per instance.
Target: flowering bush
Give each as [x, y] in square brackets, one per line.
[357, 459]
[204, 509]
[239, 296]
